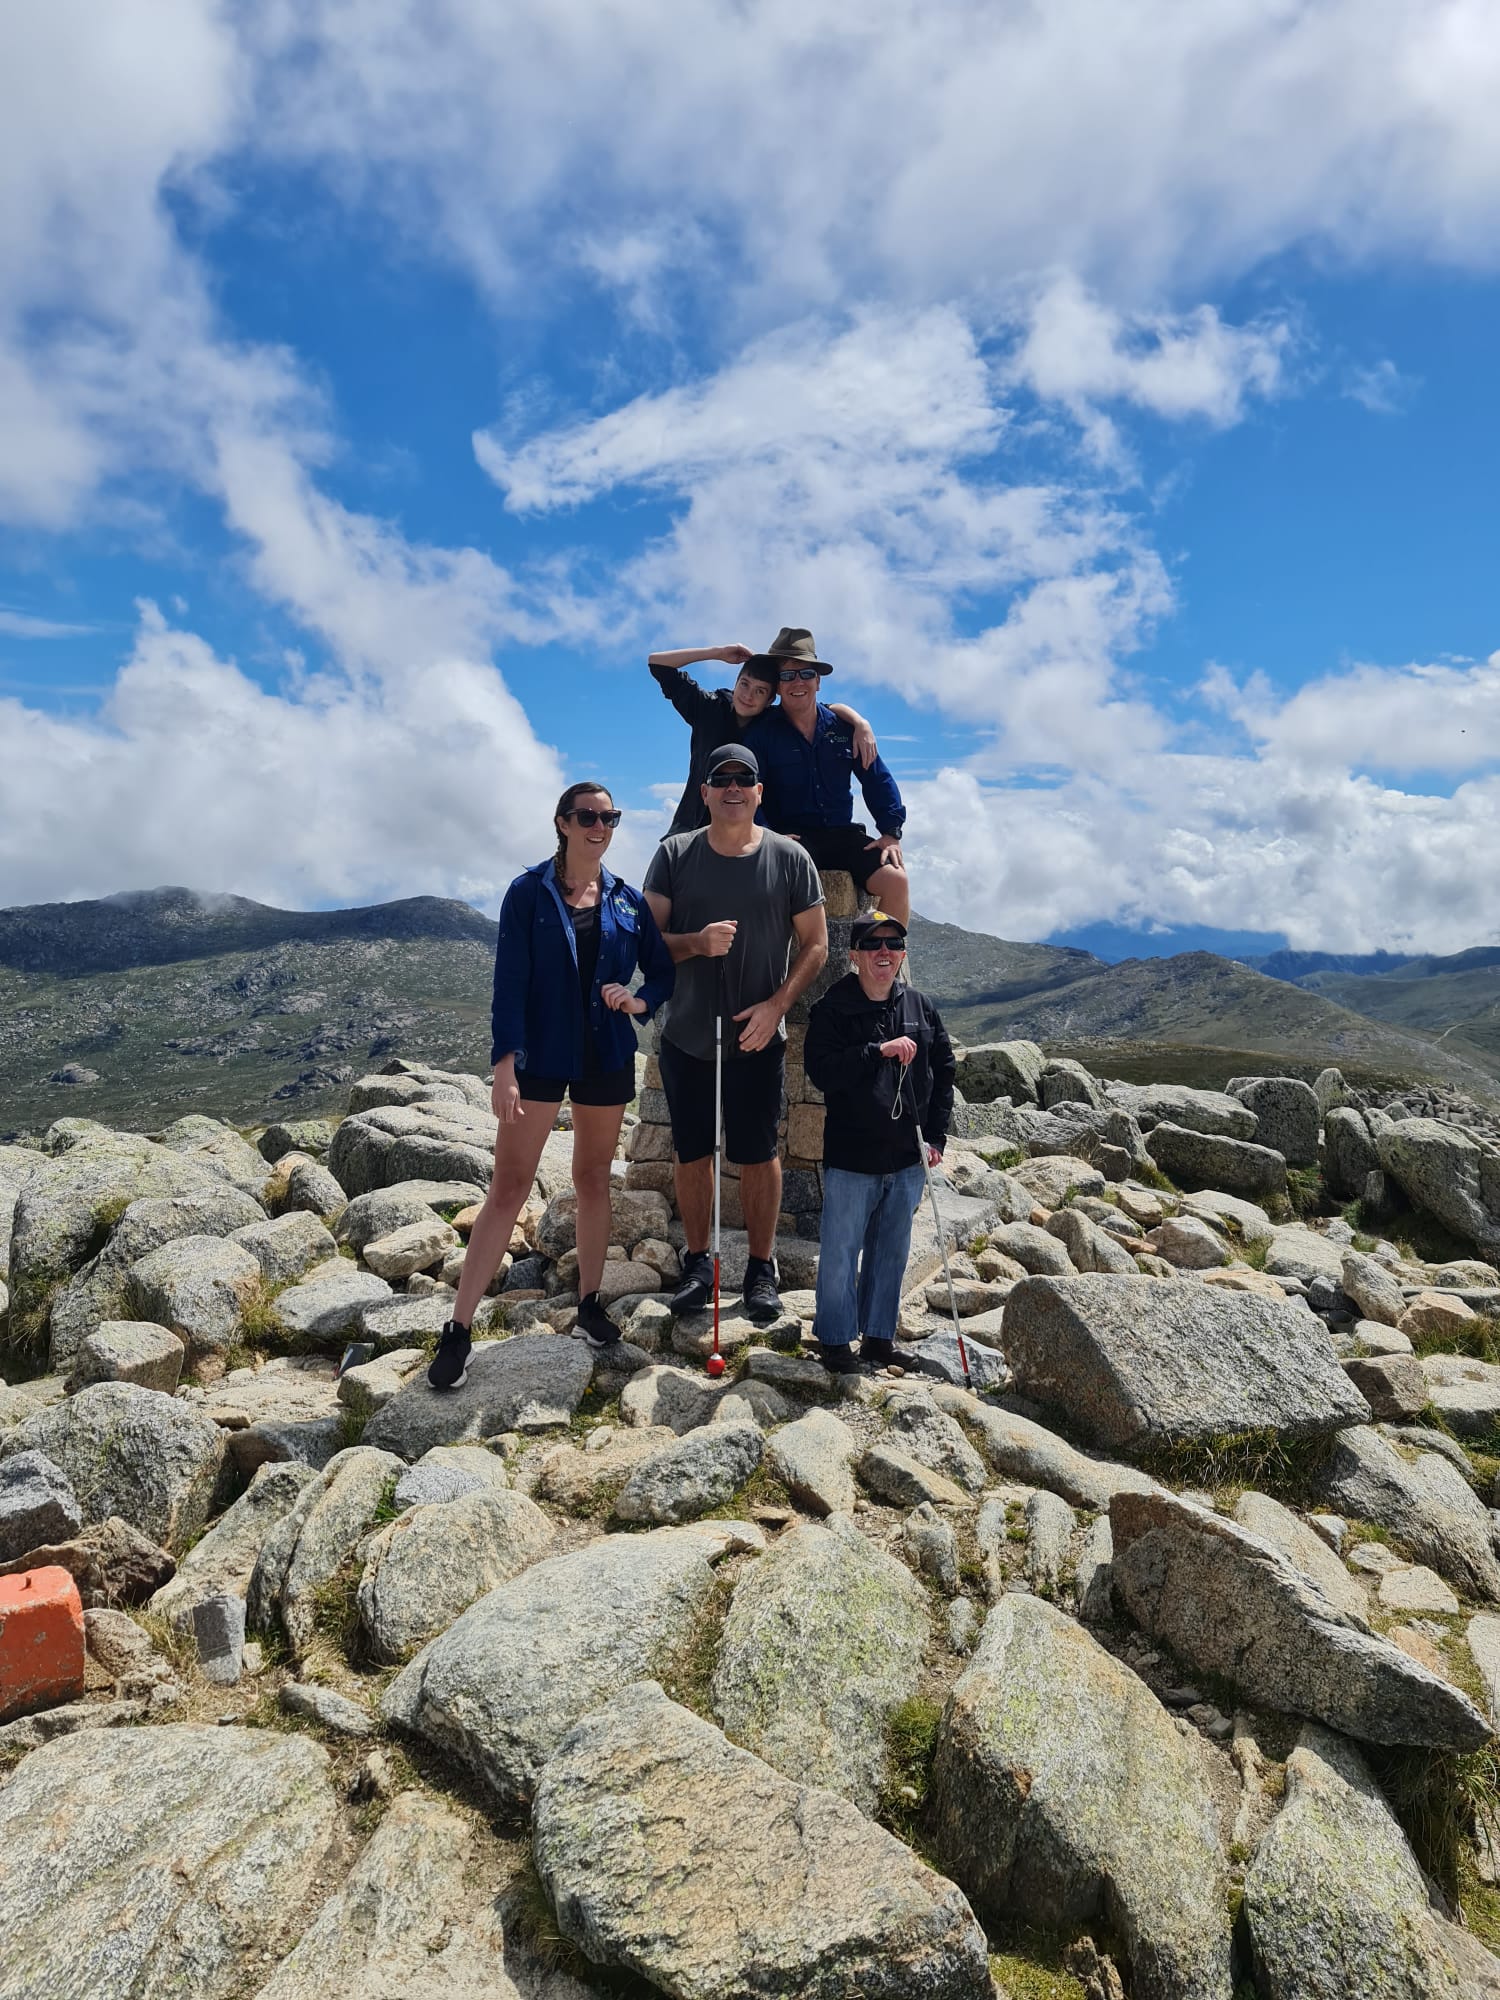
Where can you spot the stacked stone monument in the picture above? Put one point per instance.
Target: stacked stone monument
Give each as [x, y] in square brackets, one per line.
[649, 1148]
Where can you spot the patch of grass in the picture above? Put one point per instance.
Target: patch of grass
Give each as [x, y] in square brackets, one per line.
[26, 1324]
[260, 1324]
[1255, 1254]
[1153, 1177]
[761, 1489]
[385, 1508]
[911, 1736]
[528, 1915]
[352, 1426]
[1030, 1966]
[1288, 1468]
[688, 1676]
[335, 1607]
[1305, 1190]
[1478, 1338]
[1445, 1801]
[1004, 1158]
[593, 1411]
[1424, 1240]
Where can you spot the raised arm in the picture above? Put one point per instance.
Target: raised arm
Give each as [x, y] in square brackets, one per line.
[866, 749]
[689, 656]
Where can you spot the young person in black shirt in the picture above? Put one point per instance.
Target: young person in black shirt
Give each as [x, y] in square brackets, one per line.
[881, 1056]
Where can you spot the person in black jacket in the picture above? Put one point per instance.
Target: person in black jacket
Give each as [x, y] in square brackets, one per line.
[879, 1052]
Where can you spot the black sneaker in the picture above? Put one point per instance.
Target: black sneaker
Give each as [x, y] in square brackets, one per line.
[697, 1285]
[450, 1365]
[761, 1300]
[877, 1353]
[594, 1323]
[838, 1358]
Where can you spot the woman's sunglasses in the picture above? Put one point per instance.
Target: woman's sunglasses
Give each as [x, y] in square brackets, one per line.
[880, 944]
[586, 816]
[798, 674]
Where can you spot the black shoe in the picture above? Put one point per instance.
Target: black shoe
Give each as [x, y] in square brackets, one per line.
[450, 1365]
[838, 1358]
[877, 1353]
[594, 1323]
[697, 1286]
[760, 1298]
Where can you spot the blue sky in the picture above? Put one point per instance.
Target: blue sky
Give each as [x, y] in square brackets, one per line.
[381, 382]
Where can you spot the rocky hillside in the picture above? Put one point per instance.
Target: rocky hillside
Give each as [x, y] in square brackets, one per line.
[1455, 998]
[1163, 1659]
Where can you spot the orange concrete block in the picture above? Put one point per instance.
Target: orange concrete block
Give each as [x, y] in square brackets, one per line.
[41, 1641]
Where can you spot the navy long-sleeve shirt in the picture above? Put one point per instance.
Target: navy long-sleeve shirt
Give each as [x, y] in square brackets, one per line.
[807, 783]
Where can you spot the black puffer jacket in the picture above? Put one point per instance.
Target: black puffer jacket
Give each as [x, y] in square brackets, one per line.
[859, 1084]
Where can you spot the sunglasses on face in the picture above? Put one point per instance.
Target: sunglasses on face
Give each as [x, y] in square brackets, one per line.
[880, 944]
[719, 779]
[586, 816]
[798, 674]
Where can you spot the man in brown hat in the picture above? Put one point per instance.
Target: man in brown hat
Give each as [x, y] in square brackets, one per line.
[715, 715]
[807, 763]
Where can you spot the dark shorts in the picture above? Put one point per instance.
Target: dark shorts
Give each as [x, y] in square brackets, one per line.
[610, 1086]
[843, 847]
[752, 1102]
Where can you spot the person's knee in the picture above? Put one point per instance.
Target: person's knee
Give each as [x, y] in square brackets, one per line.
[591, 1181]
[507, 1190]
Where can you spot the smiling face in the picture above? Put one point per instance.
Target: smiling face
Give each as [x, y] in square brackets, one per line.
[752, 696]
[733, 804]
[798, 697]
[586, 844]
[878, 962]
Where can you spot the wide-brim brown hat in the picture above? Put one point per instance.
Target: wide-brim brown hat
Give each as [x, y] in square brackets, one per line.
[793, 642]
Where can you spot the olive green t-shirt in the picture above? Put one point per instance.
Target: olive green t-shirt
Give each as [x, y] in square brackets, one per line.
[762, 891]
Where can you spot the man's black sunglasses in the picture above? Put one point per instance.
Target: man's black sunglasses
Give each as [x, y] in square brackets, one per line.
[719, 779]
[586, 816]
[880, 944]
[799, 674]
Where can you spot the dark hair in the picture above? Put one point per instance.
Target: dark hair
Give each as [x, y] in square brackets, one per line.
[564, 805]
[763, 668]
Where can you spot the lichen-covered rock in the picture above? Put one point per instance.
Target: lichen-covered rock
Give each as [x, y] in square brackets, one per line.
[447, 1472]
[812, 1458]
[329, 1303]
[1134, 1363]
[222, 1562]
[132, 1350]
[1189, 1243]
[1197, 1159]
[1335, 1902]
[1372, 1287]
[132, 1452]
[586, 1480]
[288, 1246]
[1305, 1549]
[427, 1567]
[1286, 1115]
[1063, 1796]
[1001, 1069]
[531, 1382]
[669, 1852]
[692, 1474]
[1425, 1503]
[1018, 1449]
[415, 1246]
[504, 1684]
[1212, 1112]
[1464, 1393]
[933, 1438]
[675, 1397]
[1227, 1602]
[156, 1861]
[198, 1286]
[1449, 1174]
[305, 1549]
[37, 1504]
[823, 1641]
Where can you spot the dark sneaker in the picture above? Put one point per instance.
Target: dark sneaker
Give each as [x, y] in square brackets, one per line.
[595, 1324]
[838, 1359]
[450, 1365]
[697, 1286]
[761, 1301]
[877, 1353]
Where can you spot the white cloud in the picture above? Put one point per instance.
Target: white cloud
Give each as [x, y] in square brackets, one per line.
[1381, 388]
[23, 625]
[1420, 718]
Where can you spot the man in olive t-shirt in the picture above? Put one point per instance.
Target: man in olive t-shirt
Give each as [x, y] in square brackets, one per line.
[729, 901]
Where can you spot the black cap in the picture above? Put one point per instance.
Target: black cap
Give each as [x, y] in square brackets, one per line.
[873, 921]
[735, 753]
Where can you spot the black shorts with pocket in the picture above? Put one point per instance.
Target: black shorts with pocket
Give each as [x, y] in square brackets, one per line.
[752, 1102]
[843, 847]
[610, 1086]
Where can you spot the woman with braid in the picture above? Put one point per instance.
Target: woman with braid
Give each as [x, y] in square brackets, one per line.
[572, 936]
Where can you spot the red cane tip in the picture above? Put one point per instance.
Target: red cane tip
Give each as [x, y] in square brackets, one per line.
[715, 1365]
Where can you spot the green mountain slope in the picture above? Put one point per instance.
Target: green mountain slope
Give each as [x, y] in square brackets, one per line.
[1454, 998]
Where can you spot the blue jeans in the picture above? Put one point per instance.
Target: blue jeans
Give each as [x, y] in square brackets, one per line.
[862, 1254]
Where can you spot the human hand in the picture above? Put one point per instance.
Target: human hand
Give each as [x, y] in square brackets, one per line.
[505, 1092]
[903, 1048]
[865, 747]
[934, 1156]
[714, 940]
[734, 656]
[622, 1000]
[761, 1022]
[890, 850]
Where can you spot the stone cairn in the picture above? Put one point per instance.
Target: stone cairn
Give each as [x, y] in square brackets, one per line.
[649, 1147]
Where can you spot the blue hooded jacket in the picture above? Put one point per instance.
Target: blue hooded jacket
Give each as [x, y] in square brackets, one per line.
[537, 1011]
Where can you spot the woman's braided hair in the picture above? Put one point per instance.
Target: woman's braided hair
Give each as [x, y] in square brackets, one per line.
[565, 805]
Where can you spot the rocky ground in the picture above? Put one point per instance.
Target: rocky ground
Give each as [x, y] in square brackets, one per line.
[1162, 1662]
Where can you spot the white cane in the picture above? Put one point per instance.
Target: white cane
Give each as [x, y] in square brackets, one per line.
[937, 1223]
[716, 1359]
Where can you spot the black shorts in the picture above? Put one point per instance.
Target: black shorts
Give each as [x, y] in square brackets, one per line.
[842, 847]
[752, 1102]
[610, 1086]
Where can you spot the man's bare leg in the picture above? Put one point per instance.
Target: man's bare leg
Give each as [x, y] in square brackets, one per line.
[760, 1197]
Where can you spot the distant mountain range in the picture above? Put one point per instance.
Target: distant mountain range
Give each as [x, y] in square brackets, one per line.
[167, 1001]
